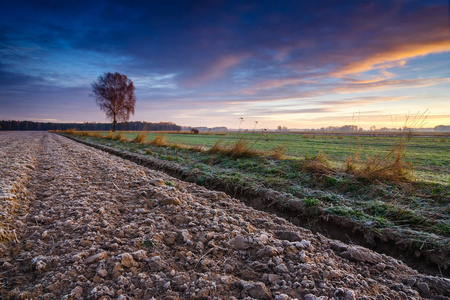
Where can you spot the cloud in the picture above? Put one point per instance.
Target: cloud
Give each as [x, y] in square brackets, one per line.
[263, 86]
[394, 57]
[405, 34]
[10, 80]
[216, 69]
[230, 56]
[362, 86]
[292, 111]
[356, 101]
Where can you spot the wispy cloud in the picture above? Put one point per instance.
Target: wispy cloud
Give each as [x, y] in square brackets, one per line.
[381, 85]
[214, 70]
[222, 59]
[395, 57]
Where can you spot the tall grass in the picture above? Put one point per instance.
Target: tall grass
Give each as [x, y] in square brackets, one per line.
[140, 138]
[317, 164]
[239, 149]
[159, 140]
[389, 166]
[278, 152]
[119, 137]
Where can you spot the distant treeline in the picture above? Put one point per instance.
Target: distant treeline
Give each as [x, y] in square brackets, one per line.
[128, 126]
[441, 128]
[208, 129]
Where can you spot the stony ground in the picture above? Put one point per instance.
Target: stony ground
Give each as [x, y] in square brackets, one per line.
[77, 223]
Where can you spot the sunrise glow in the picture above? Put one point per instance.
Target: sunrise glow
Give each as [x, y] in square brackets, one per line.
[299, 64]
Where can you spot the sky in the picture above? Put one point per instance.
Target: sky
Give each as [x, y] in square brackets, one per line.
[299, 64]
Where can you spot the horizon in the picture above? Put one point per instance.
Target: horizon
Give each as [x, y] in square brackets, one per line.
[329, 128]
[202, 63]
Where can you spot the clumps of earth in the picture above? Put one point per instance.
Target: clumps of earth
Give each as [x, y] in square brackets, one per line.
[95, 226]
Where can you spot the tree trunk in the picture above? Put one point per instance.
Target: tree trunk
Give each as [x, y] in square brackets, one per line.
[114, 124]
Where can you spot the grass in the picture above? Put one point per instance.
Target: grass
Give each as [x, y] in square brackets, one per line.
[238, 149]
[159, 140]
[389, 166]
[369, 180]
[140, 137]
[428, 155]
[317, 164]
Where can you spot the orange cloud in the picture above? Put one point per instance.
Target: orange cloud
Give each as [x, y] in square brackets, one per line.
[395, 56]
[357, 86]
[352, 102]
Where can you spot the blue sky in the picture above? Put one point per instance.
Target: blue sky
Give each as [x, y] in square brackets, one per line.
[300, 64]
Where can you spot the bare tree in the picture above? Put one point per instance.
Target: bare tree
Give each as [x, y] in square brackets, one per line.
[114, 94]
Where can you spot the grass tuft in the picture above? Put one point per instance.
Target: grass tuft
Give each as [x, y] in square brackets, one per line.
[118, 137]
[239, 149]
[97, 135]
[197, 148]
[218, 147]
[140, 138]
[383, 167]
[278, 152]
[159, 140]
[317, 165]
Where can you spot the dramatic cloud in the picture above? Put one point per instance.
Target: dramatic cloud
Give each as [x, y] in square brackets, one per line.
[208, 62]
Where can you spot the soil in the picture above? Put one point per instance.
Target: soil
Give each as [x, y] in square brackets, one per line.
[79, 223]
[403, 245]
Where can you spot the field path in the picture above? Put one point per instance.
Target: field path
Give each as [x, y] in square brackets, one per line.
[78, 223]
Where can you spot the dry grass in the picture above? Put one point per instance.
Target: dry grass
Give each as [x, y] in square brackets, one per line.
[119, 137]
[240, 148]
[70, 131]
[197, 148]
[159, 140]
[5, 235]
[140, 138]
[317, 165]
[110, 136]
[218, 147]
[387, 167]
[278, 152]
[97, 135]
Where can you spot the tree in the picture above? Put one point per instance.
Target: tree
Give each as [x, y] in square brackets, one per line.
[114, 94]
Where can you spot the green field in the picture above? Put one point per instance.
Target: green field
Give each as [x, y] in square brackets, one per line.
[430, 156]
[415, 207]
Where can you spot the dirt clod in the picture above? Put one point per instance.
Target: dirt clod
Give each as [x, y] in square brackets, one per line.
[78, 225]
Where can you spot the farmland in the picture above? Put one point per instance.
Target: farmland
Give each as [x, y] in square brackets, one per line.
[429, 155]
[79, 223]
[308, 173]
